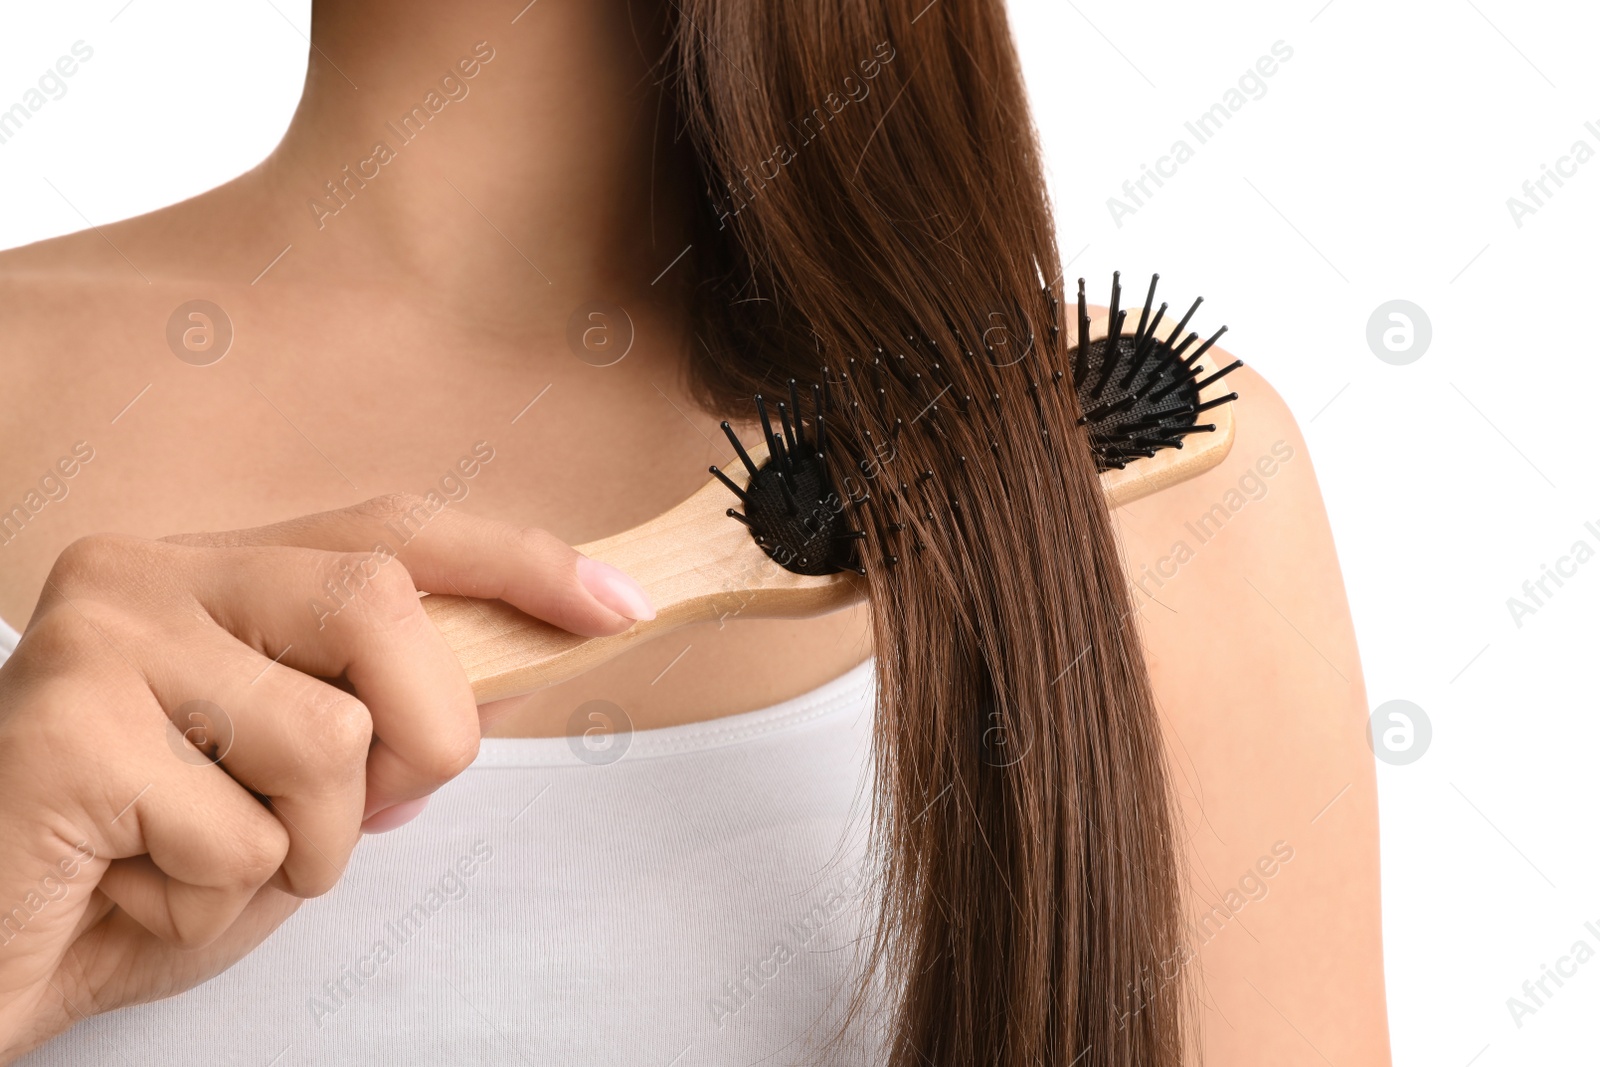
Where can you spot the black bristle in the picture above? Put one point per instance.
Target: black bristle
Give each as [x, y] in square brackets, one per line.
[729, 482]
[1203, 349]
[790, 442]
[1111, 349]
[1235, 365]
[780, 454]
[1144, 314]
[1142, 351]
[1080, 366]
[1115, 319]
[1184, 322]
[1177, 354]
[766, 425]
[744, 457]
[794, 408]
[788, 494]
[1209, 404]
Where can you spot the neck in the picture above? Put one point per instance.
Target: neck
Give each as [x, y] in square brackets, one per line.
[505, 157]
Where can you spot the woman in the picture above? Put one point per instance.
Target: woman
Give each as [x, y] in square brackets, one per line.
[524, 260]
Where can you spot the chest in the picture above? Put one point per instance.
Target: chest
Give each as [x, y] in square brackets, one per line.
[111, 431]
[706, 889]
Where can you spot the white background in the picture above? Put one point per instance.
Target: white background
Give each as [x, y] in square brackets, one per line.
[1376, 166]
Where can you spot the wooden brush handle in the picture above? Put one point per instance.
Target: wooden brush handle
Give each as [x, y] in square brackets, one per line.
[698, 565]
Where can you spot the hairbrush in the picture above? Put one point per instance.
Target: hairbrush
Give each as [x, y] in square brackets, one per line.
[791, 552]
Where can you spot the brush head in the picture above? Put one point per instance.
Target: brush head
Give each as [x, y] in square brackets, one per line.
[1139, 393]
[790, 504]
[812, 536]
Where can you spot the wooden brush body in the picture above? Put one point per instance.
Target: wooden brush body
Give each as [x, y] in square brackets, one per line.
[698, 565]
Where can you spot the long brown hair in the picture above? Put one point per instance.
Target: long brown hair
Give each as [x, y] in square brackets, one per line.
[874, 205]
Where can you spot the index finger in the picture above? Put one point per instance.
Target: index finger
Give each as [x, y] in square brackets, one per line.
[448, 551]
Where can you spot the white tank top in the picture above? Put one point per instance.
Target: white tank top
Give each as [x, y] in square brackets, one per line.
[702, 899]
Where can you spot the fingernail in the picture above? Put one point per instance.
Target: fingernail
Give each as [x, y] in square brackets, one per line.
[615, 590]
[394, 817]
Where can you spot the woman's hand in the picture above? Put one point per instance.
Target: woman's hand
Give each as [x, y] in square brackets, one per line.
[195, 731]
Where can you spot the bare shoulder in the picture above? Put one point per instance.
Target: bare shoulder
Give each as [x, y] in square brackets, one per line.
[1253, 656]
[85, 315]
[62, 296]
[58, 299]
[82, 340]
[74, 350]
